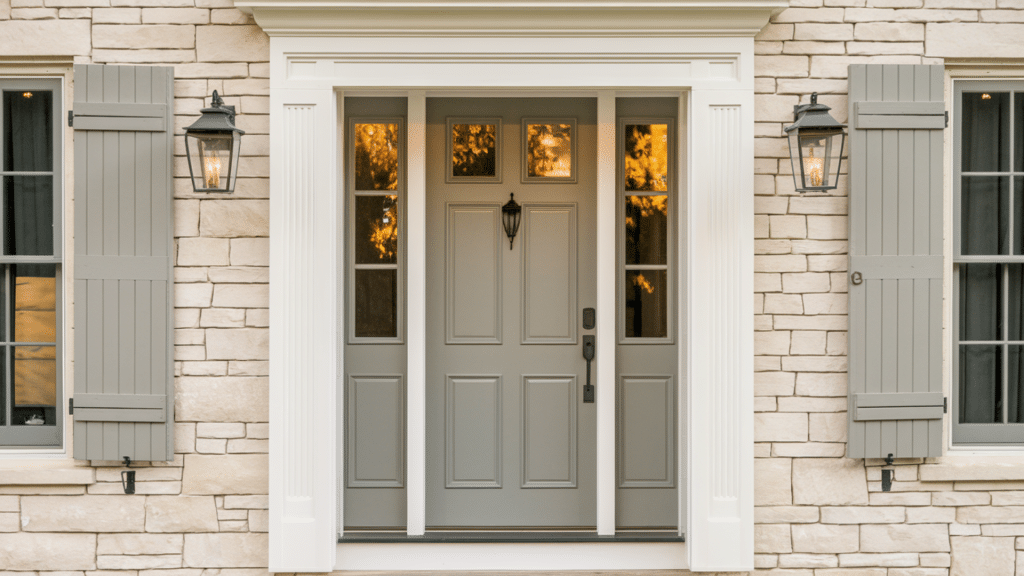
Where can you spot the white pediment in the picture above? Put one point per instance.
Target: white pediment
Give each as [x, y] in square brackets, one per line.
[494, 18]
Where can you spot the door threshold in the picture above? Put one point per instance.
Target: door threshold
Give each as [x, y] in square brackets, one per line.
[509, 537]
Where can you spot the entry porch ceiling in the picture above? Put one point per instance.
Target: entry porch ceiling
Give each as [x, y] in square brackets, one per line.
[527, 18]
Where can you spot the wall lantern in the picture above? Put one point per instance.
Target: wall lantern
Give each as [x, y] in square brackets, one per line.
[816, 147]
[511, 213]
[211, 145]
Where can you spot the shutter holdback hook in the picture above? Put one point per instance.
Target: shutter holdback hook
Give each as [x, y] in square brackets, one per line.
[128, 477]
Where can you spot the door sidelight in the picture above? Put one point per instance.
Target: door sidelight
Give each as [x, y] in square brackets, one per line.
[588, 354]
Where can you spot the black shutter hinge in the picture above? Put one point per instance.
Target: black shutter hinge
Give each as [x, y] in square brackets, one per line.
[71, 405]
[947, 118]
[945, 405]
[71, 118]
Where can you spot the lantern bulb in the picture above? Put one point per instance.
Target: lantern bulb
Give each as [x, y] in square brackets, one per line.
[814, 169]
[211, 171]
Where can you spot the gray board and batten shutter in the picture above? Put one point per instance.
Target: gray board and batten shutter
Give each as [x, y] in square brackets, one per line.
[895, 273]
[123, 400]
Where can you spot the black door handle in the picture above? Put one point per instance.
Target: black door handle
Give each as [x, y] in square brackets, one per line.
[588, 354]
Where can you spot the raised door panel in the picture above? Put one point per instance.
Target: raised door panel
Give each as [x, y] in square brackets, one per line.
[473, 285]
[646, 424]
[549, 431]
[549, 274]
[473, 431]
[376, 432]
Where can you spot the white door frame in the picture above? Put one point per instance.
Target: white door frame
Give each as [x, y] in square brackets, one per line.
[318, 57]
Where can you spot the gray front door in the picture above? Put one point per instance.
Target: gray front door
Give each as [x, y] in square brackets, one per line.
[510, 441]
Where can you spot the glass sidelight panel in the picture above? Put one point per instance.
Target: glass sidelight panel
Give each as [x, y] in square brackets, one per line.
[646, 229]
[376, 240]
[376, 156]
[376, 303]
[646, 303]
[646, 157]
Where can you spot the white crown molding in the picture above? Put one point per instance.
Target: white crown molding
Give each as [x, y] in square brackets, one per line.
[534, 18]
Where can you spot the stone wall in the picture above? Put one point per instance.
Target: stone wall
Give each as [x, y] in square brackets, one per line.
[206, 510]
[819, 514]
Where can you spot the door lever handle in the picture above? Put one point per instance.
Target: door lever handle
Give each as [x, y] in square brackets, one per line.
[588, 354]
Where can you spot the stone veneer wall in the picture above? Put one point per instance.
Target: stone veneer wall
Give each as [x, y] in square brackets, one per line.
[205, 513]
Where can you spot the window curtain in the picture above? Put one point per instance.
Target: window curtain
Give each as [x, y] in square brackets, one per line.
[985, 230]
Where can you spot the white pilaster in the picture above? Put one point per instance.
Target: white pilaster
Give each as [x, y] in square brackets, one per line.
[416, 399]
[720, 253]
[304, 347]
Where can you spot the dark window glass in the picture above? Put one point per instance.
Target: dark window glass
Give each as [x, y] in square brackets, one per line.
[981, 384]
[986, 132]
[981, 289]
[376, 240]
[1018, 211]
[35, 386]
[646, 229]
[984, 215]
[1015, 301]
[474, 149]
[376, 303]
[1015, 394]
[646, 303]
[28, 215]
[1018, 131]
[28, 131]
[34, 302]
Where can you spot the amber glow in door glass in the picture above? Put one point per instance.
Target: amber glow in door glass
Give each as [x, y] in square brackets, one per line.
[376, 156]
[35, 302]
[646, 304]
[549, 150]
[35, 386]
[376, 231]
[474, 150]
[646, 152]
[646, 229]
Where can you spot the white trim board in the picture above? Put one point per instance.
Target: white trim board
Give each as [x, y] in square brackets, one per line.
[712, 73]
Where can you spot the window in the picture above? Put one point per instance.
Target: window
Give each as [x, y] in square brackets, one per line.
[989, 263]
[31, 390]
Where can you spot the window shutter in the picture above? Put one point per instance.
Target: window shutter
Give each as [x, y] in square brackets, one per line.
[895, 289]
[123, 401]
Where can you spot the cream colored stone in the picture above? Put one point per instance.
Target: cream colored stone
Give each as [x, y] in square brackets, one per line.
[222, 317]
[813, 31]
[783, 304]
[241, 274]
[137, 544]
[823, 322]
[838, 481]
[930, 515]
[972, 556]
[186, 213]
[815, 363]
[144, 36]
[226, 550]
[237, 344]
[782, 66]
[863, 515]
[935, 560]
[805, 282]
[83, 514]
[204, 368]
[990, 514]
[231, 474]
[851, 572]
[824, 538]
[232, 44]
[152, 474]
[48, 476]
[175, 16]
[220, 399]
[809, 449]
[10, 522]
[972, 471]
[241, 296]
[1002, 498]
[258, 431]
[184, 437]
[771, 343]
[257, 318]
[220, 430]
[203, 251]
[27, 551]
[772, 482]
[821, 384]
[889, 31]
[773, 383]
[830, 303]
[211, 446]
[780, 263]
[247, 502]
[249, 368]
[785, 514]
[776, 427]
[45, 37]
[248, 446]
[234, 218]
[828, 427]
[9, 504]
[807, 342]
[772, 538]
[193, 295]
[807, 561]
[904, 538]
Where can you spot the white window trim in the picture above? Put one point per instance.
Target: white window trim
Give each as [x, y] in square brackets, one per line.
[318, 56]
[42, 68]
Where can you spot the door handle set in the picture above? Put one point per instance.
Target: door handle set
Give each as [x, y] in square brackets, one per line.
[588, 354]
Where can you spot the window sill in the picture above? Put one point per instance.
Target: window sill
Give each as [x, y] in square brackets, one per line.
[973, 469]
[41, 476]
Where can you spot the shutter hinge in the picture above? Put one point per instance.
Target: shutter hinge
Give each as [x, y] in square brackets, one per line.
[947, 118]
[945, 405]
[71, 118]
[71, 405]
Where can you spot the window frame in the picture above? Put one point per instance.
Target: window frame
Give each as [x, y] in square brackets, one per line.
[979, 435]
[44, 437]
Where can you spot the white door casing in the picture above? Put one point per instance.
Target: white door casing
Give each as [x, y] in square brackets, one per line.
[702, 52]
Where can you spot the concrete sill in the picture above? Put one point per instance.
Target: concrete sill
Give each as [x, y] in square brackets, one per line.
[47, 476]
[975, 471]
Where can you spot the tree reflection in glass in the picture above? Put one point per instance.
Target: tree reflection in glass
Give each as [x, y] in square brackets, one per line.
[474, 150]
[549, 150]
[376, 156]
[647, 229]
[376, 229]
[646, 167]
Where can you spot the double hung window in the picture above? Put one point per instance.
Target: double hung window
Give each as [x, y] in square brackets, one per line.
[31, 391]
[989, 263]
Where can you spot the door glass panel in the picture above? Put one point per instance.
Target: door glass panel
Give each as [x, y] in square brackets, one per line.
[981, 379]
[376, 305]
[984, 215]
[980, 299]
[986, 132]
[647, 229]
[646, 155]
[35, 302]
[646, 303]
[376, 156]
[376, 230]
[474, 149]
[549, 150]
[28, 131]
[28, 215]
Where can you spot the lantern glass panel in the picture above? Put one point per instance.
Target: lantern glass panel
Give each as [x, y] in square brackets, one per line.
[816, 158]
[212, 160]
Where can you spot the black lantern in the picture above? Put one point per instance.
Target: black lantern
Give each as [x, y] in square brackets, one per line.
[511, 214]
[211, 145]
[815, 147]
